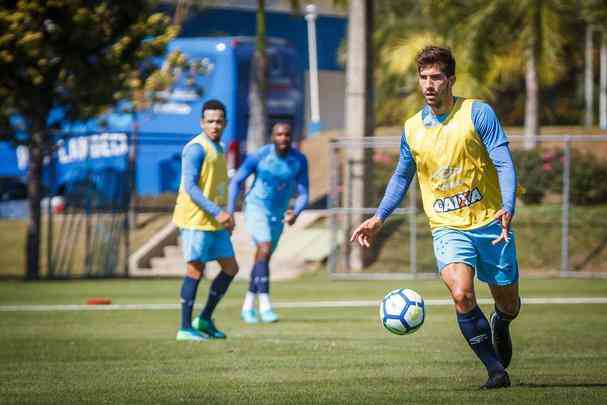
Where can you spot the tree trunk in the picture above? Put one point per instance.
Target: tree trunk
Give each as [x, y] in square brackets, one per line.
[181, 11]
[588, 85]
[34, 193]
[359, 119]
[532, 126]
[257, 133]
[603, 84]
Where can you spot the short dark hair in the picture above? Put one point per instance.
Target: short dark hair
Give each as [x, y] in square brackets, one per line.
[213, 105]
[282, 123]
[436, 55]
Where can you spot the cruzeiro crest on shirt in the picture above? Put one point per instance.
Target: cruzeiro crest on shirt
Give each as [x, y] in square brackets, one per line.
[457, 201]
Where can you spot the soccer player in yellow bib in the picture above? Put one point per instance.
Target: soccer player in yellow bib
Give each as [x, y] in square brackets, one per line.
[204, 223]
[461, 156]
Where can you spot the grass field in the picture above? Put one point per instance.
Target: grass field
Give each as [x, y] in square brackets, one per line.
[312, 356]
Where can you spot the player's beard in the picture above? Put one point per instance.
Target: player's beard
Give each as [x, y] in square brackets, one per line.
[283, 149]
[438, 100]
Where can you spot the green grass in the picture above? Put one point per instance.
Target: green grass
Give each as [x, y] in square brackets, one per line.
[312, 356]
[13, 234]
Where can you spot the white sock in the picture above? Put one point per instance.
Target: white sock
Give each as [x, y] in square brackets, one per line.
[249, 301]
[264, 302]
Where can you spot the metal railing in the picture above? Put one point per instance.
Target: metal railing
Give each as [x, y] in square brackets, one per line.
[340, 208]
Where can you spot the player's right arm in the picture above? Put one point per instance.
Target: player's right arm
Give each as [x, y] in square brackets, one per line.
[247, 168]
[191, 164]
[394, 194]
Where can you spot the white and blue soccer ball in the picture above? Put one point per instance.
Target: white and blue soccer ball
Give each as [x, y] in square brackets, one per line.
[402, 311]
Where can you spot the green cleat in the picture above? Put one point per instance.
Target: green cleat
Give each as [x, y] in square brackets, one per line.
[249, 316]
[191, 335]
[207, 326]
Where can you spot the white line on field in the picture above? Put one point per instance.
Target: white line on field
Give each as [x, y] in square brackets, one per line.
[295, 304]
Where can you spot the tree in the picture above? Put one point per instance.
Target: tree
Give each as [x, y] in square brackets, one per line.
[69, 60]
[359, 114]
[532, 32]
[594, 13]
[407, 26]
[257, 134]
[497, 43]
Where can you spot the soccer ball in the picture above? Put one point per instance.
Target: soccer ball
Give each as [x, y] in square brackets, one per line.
[402, 311]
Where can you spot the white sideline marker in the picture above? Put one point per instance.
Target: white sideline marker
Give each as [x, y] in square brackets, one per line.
[294, 304]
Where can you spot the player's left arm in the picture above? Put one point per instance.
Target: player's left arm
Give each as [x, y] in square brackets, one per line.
[492, 134]
[302, 184]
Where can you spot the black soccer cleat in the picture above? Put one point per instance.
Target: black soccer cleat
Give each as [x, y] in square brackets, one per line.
[498, 380]
[502, 343]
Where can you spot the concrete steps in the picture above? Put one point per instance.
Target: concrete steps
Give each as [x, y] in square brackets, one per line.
[298, 248]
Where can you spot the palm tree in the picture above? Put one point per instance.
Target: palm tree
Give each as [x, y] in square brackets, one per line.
[533, 31]
[588, 77]
[594, 13]
[497, 42]
[258, 110]
[359, 113]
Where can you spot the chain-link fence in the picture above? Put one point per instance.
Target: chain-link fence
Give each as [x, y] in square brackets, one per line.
[102, 191]
[104, 198]
[560, 222]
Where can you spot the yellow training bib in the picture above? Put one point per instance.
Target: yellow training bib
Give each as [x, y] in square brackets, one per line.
[458, 181]
[213, 182]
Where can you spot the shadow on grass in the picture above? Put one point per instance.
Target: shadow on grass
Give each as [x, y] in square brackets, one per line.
[534, 385]
[560, 385]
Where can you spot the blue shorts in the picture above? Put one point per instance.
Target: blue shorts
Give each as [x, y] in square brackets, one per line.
[496, 265]
[263, 227]
[206, 246]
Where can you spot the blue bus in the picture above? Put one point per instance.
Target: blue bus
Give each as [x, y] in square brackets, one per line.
[98, 149]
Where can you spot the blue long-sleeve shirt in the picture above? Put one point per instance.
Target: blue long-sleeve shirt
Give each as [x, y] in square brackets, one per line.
[493, 137]
[276, 179]
[192, 158]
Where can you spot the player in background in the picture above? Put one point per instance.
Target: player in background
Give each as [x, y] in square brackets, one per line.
[279, 171]
[461, 156]
[204, 223]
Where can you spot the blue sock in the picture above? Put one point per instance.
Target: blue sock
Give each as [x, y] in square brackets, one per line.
[476, 330]
[188, 296]
[502, 320]
[252, 284]
[262, 277]
[218, 289]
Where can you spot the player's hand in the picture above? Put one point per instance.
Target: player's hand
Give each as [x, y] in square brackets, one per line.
[504, 217]
[365, 233]
[226, 220]
[289, 218]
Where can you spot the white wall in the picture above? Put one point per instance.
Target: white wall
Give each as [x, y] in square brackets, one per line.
[332, 90]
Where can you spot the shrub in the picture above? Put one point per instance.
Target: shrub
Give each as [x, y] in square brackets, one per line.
[535, 174]
[588, 174]
[541, 171]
